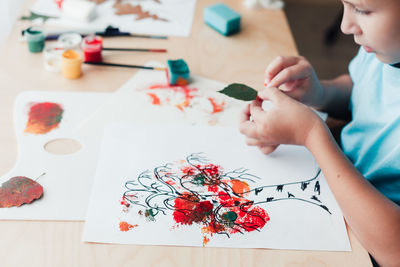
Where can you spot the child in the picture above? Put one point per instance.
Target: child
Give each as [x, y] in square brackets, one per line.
[365, 175]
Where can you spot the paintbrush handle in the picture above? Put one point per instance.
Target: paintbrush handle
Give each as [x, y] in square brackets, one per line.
[123, 65]
[135, 49]
[148, 36]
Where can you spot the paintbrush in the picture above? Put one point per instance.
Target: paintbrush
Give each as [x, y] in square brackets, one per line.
[135, 49]
[124, 66]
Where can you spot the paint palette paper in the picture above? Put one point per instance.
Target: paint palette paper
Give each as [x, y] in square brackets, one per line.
[203, 186]
[156, 17]
[41, 117]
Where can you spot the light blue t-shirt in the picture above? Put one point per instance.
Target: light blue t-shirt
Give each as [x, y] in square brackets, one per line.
[372, 139]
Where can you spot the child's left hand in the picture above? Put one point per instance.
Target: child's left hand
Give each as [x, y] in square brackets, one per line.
[287, 122]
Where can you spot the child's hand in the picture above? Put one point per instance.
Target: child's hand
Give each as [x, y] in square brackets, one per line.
[297, 78]
[287, 122]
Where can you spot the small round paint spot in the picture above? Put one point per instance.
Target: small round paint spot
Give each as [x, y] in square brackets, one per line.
[229, 216]
[62, 146]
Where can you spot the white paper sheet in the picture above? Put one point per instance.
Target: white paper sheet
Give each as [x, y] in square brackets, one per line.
[308, 219]
[175, 17]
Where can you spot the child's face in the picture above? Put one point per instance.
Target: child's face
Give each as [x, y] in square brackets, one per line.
[375, 25]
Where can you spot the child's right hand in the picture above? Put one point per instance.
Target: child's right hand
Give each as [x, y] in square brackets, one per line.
[295, 77]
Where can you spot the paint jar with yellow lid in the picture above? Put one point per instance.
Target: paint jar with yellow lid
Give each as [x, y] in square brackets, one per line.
[71, 64]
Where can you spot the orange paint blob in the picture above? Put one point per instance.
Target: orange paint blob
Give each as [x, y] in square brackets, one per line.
[155, 100]
[125, 227]
[181, 81]
[240, 188]
[216, 107]
[205, 241]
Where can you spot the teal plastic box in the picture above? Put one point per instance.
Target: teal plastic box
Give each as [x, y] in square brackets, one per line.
[222, 18]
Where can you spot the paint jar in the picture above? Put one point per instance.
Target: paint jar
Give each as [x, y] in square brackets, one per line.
[70, 40]
[35, 38]
[92, 46]
[71, 64]
[52, 57]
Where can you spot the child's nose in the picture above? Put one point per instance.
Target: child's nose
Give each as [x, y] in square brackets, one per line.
[349, 24]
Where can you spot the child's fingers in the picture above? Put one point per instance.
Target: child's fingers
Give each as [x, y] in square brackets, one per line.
[248, 129]
[270, 93]
[254, 142]
[257, 113]
[244, 116]
[289, 74]
[278, 64]
[268, 149]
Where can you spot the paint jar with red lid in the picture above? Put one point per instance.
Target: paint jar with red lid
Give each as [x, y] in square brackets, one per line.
[92, 46]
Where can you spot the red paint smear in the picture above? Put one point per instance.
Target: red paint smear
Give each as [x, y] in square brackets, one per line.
[124, 202]
[19, 190]
[125, 226]
[205, 241]
[59, 3]
[170, 182]
[211, 170]
[189, 93]
[167, 74]
[216, 107]
[189, 210]
[189, 170]
[43, 117]
[155, 100]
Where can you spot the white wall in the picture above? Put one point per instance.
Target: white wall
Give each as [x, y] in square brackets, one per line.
[9, 12]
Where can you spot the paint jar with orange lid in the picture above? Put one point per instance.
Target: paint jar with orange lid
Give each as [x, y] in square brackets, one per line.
[71, 64]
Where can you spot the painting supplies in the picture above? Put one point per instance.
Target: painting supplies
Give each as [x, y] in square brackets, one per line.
[35, 38]
[113, 32]
[92, 46]
[124, 65]
[178, 72]
[71, 64]
[155, 50]
[222, 18]
[70, 40]
[52, 57]
[107, 32]
[78, 10]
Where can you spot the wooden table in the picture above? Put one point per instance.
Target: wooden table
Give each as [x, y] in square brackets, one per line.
[239, 58]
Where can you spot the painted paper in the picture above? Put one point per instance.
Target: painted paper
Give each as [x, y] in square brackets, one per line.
[203, 186]
[148, 97]
[156, 17]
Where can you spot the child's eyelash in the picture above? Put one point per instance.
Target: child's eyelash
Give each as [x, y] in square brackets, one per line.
[362, 12]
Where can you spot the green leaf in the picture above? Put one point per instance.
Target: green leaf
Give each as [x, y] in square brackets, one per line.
[34, 16]
[239, 91]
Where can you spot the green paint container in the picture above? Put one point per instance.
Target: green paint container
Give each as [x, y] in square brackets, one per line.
[35, 38]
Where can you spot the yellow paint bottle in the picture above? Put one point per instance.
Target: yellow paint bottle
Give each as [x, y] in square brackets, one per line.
[71, 64]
